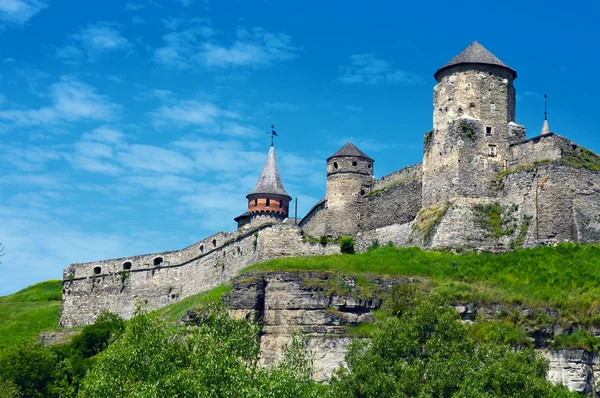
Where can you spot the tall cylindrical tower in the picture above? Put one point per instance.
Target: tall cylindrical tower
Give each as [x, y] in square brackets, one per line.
[474, 102]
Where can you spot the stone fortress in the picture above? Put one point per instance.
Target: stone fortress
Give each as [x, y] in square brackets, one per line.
[482, 185]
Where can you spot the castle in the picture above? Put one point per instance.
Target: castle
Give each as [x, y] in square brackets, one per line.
[482, 185]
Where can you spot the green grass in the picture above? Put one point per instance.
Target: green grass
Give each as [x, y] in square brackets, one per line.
[565, 277]
[30, 311]
[174, 312]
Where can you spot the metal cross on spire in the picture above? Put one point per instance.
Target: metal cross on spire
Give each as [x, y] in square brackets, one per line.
[545, 108]
[273, 133]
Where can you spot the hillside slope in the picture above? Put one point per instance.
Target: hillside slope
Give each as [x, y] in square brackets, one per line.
[30, 311]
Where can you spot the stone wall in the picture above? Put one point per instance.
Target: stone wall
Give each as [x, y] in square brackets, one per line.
[538, 149]
[563, 200]
[395, 199]
[183, 273]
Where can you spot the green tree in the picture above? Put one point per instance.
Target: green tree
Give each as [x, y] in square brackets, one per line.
[426, 352]
[31, 366]
[218, 357]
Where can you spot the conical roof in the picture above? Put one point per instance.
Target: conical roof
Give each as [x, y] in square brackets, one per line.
[270, 181]
[546, 127]
[349, 150]
[475, 54]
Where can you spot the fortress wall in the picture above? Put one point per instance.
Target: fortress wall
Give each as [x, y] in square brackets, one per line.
[117, 291]
[397, 203]
[408, 173]
[564, 201]
[542, 148]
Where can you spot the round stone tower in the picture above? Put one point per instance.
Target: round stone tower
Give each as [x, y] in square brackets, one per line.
[349, 178]
[268, 201]
[474, 105]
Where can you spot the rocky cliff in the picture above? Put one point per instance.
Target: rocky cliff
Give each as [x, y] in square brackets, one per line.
[330, 307]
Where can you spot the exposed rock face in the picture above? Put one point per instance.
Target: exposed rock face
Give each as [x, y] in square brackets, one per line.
[323, 305]
[326, 306]
[576, 369]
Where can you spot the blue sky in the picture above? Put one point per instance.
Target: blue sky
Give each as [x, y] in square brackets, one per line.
[128, 128]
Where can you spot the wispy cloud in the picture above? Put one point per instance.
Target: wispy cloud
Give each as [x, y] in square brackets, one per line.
[192, 112]
[18, 12]
[71, 99]
[197, 46]
[283, 106]
[93, 41]
[365, 68]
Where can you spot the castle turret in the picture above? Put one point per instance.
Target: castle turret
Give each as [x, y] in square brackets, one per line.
[473, 126]
[349, 177]
[268, 201]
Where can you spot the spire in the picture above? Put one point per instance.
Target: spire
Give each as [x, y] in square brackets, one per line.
[545, 127]
[270, 181]
[349, 150]
[475, 54]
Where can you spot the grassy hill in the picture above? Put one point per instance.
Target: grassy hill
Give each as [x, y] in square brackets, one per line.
[30, 311]
[565, 277]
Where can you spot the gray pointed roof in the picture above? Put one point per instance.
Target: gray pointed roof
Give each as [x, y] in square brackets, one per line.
[475, 54]
[349, 150]
[546, 128]
[270, 181]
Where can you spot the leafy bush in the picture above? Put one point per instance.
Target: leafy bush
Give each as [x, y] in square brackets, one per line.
[347, 245]
[31, 367]
[216, 358]
[426, 352]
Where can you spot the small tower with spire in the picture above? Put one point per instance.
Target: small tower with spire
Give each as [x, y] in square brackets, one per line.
[268, 201]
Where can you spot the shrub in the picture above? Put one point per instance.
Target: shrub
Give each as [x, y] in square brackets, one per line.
[347, 245]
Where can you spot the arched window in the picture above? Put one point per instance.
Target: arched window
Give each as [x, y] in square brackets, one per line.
[97, 270]
[335, 165]
[354, 163]
[127, 265]
[158, 261]
[369, 166]
[214, 242]
[201, 248]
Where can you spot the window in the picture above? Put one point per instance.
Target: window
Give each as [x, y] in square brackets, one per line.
[158, 261]
[201, 248]
[97, 270]
[488, 131]
[492, 150]
[369, 166]
[354, 163]
[255, 202]
[492, 108]
[268, 202]
[335, 166]
[214, 242]
[127, 265]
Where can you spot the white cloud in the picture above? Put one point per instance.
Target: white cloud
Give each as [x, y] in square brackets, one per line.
[71, 99]
[136, 19]
[93, 41]
[192, 112]
[104, 134]
[18, 12]
[283, 106]
[365, 68]
[197, 47]
[133, 7]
